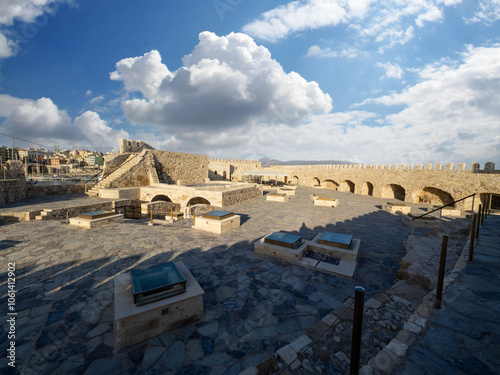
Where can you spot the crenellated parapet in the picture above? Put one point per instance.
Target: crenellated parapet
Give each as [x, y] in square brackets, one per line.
[489, 167]
[234, 161]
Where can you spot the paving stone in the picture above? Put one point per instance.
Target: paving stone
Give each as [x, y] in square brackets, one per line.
[299, 344]
[385, 361]
[209, 329]
[108, 366]
[152, 354]
[173, 356]
[99, 330]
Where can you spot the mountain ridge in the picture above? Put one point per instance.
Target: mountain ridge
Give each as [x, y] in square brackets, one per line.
[266, 162]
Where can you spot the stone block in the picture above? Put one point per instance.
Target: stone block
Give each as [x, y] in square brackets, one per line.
[395, 208]
[277, 197]
[217, 226]
[134, 324]
[326, 202]
[89, 223]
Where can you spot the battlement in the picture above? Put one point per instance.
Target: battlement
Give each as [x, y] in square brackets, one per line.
[233, 161]
[489, 167]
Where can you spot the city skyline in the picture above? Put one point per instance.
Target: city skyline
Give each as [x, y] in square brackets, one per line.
[368, 82]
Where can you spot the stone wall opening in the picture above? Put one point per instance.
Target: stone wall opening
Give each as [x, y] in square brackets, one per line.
[347, 186]
[295, 180]
[197, 200]
[162, 198]
[315, 181]
[330, 184]
[435, 196]
[367, 189]
[394, 191]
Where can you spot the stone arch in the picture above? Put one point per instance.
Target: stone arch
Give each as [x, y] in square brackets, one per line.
[295, 180]
[432, 195]
[495, 202]
[161, 197]
[198, 200]
[394, 191]
[367, 188]
[347, 185]
[316, 181]
[330, 184]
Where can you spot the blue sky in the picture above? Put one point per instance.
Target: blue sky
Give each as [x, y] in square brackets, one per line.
[366, 81]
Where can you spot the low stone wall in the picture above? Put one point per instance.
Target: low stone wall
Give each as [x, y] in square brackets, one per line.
[12, 190]
[241, 195]
[42, 191]
[73, 211]
[160, 209]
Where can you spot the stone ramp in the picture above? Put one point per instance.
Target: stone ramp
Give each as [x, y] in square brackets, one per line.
[464, 338]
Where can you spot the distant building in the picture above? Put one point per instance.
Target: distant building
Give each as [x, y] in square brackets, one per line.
[56, 162]
[6, 154]
[33, 155]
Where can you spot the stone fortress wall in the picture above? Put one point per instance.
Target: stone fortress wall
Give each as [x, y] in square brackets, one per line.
[410, 183]
[432, 184]
[230, 169]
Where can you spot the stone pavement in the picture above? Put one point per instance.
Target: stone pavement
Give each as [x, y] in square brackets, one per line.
[253, 305]
[464, 338]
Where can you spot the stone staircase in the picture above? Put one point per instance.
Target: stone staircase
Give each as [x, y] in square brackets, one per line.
[107, 183]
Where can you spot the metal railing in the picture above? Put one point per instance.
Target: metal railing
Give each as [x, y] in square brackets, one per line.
[447, 205]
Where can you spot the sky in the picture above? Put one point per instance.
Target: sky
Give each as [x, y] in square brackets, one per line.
[359, 80]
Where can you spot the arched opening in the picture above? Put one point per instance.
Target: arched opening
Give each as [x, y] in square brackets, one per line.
[224, 174]
[161, 197]
[347, 185]
[431, 195]
[316, 181]
[129, 143]
[197, 200]
[495, 201]
[394, 191]
[367, 188]
[295, 180]
[330, 184]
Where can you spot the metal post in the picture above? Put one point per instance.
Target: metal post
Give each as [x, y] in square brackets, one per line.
[357, 327]
[472, 208]
[194, 218]
[478, 221]
[489, 203]
[486, 205]
[171, 213]
[442, 265]
[481, 213]
[472, 237]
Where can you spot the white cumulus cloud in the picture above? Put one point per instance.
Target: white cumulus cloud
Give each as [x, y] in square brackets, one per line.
[390, 22]
[227, 81]
[25, 11]
[453, 108]
[43, 122]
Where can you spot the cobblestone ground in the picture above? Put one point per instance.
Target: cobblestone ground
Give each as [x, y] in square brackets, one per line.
[253, 305]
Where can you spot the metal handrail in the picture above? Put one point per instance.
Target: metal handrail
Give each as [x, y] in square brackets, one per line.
[91, 177]
[446, 205]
